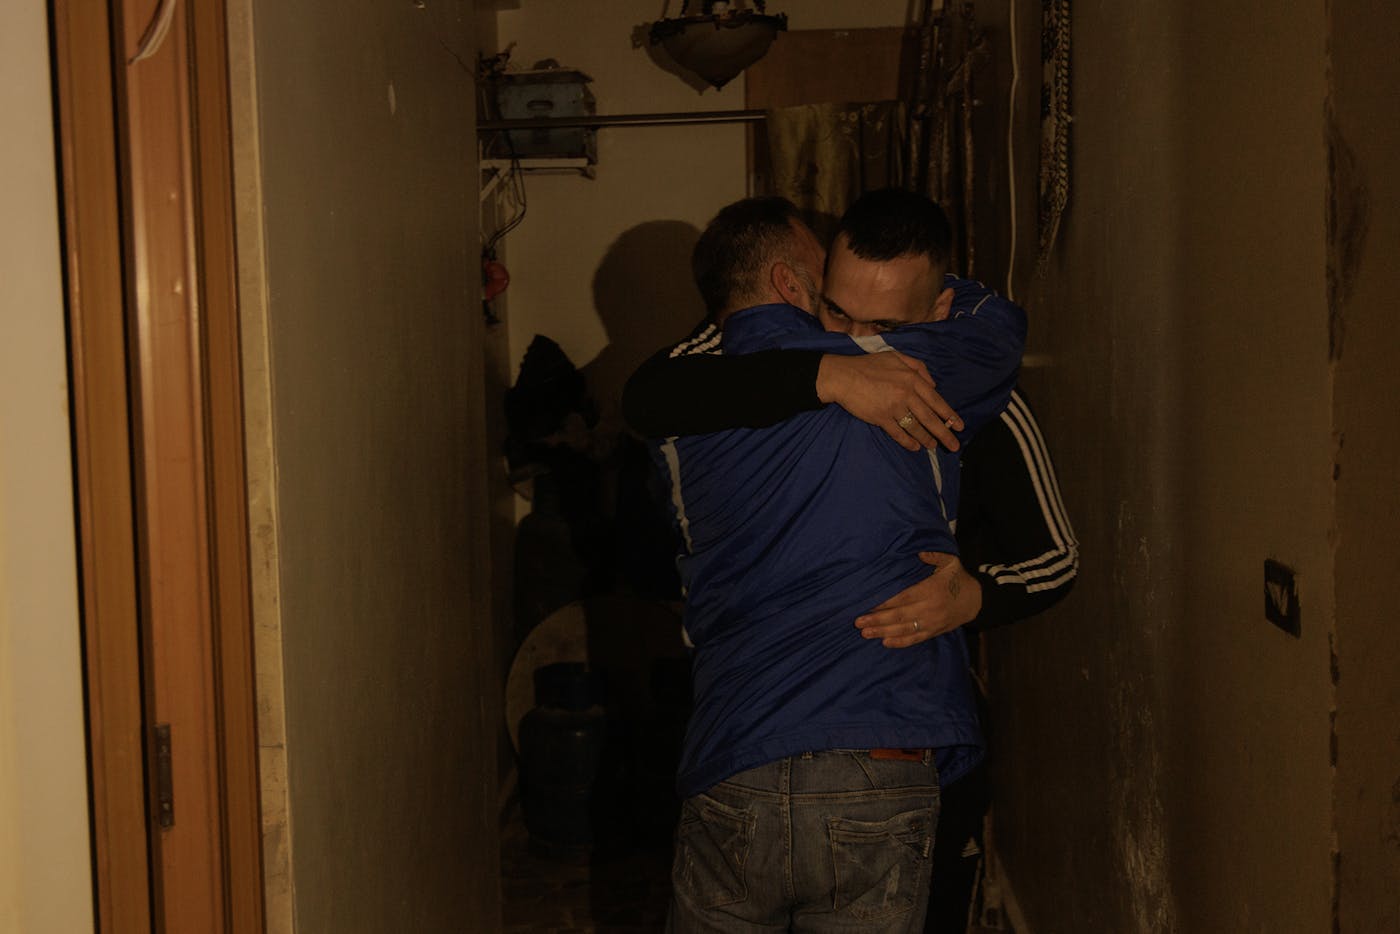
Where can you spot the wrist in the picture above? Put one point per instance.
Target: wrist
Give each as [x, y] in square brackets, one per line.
[831, 377]
[974, 597]
[966, 591]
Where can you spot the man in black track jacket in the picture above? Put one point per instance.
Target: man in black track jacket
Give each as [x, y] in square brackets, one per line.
[1013, 532]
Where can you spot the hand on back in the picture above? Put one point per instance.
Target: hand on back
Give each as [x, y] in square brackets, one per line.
[943, 601]
[893, 392]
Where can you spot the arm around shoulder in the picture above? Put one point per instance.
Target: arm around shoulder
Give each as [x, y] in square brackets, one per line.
[692, 394]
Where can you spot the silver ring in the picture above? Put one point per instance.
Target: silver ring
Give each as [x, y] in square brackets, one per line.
[916, 625]
[906, 420]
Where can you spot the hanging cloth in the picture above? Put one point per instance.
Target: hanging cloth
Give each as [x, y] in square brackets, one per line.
[823, 156]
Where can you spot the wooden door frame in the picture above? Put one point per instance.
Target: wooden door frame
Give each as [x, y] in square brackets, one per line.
[95, 292]
[105, 374]
[228, 482]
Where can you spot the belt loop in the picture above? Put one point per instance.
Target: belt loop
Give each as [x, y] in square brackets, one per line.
[928, 757]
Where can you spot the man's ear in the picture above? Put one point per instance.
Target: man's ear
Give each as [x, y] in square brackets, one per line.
[943, 305]
[783, 279]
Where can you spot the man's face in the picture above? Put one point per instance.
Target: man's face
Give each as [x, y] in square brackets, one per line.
[863, 296]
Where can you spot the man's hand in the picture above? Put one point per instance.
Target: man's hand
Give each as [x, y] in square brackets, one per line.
[943, 601]
[890, 391]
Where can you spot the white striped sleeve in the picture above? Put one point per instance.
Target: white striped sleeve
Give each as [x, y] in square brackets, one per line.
[1056, 564]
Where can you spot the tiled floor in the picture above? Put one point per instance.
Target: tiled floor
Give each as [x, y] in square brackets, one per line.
[622, 894]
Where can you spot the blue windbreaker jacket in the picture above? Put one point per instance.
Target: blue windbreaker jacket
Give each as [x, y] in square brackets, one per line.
[792, 531]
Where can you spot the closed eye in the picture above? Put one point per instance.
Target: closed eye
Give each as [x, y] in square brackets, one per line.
[835, 310]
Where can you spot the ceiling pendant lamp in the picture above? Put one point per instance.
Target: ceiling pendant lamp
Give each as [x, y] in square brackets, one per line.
[721, 41]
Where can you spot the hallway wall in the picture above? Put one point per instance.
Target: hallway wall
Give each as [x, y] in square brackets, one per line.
[1165, 754]
[358, 216]
[45, 849]
[1364, 262]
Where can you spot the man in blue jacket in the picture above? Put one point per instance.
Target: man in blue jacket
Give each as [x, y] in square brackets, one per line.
[809, 771]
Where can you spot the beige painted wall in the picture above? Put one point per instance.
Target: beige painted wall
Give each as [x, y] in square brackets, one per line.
[601, 265]
[363, 187]
[45, 854]
[1164, 750]
[593, 265]
[1365, 72]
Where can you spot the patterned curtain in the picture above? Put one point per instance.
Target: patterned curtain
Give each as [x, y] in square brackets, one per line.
[942, 161]
[823, 156]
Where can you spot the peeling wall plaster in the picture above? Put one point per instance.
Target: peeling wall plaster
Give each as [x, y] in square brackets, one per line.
[1348, 217]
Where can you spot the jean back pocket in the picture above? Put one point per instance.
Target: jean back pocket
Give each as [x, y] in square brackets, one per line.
[881, 866]
[713, 841]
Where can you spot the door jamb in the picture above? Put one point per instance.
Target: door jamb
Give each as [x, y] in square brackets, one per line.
[102, 368]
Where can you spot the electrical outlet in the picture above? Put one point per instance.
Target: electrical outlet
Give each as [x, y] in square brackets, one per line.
[1281, 597]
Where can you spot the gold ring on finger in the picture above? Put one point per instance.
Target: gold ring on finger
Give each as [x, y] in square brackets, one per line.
[906, 420]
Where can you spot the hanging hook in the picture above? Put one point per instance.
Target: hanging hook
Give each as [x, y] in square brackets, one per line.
[155, 32]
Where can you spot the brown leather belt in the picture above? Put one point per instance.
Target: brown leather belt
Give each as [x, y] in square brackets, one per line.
[904, 755]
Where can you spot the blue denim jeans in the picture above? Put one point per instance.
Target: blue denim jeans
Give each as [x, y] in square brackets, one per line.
[832, 841]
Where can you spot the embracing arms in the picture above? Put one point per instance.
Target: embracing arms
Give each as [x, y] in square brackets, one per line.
[1014, 533]
[693, 394]
[1016, 540]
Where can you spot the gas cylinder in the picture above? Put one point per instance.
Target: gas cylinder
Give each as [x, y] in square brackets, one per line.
[561, 760]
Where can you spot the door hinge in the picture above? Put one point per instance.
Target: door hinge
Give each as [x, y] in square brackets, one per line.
[165, 784]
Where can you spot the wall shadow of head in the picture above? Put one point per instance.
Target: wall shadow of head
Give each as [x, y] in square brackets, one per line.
[645, 298]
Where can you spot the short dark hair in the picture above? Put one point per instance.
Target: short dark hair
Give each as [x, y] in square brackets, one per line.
[889, 223]
[737, 248]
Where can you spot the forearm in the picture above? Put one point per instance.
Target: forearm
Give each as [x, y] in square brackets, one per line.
[1009, 599]
[703, 393]
[972, 359]
[1017, 531]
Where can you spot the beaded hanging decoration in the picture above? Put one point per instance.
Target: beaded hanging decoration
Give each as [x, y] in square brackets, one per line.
[1054, 122]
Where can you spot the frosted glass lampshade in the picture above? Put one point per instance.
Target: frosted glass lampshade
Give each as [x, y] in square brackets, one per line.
[718, 46]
